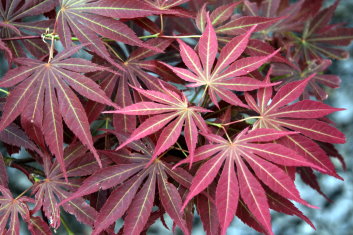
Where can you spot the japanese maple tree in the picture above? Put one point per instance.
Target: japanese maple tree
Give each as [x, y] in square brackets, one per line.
[130, 110]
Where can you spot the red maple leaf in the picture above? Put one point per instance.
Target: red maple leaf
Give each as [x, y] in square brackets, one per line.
[246, 150]
[44, 87]
[227, 75]
[169, 110]
[276, 113]
[136, 188]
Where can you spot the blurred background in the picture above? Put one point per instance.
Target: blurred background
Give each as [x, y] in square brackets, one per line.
[333, 217]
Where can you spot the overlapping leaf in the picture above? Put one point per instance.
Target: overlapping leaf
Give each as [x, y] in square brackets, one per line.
[135, 74]
[291, 15]
[225, 25]
[169, 110]
[170, 7]
[87, 20]
[53, 188]
[10, 208]
[136, 189]
[316, 85]
[11, 25]
[228, 73]
[263, 158]
[44, 88]
[274, 112]
[319, 39]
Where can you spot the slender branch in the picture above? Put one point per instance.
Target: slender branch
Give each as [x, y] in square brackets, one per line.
[162, 23]
[66, 226]
[51, 49]
[182, 36]
[21, 38]
[156, 35]
[56, 37]
[21, 194]
[225, 132]
[4, 91]
[241, 120]
[181, 149]
[195, 95]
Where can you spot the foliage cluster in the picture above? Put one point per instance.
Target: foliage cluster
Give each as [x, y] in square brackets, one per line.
[133, 109]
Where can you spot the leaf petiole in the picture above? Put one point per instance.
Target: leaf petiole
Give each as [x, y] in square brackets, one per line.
[67, 228]
[5, 91]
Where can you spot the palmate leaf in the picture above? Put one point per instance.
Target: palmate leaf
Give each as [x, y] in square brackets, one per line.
[274, 112]
[87, 19]
[136, 75]
[225, 25]
[240, 182]
[170, 7]
[136, 189]
[319, 39]
[292, 15]
[44, 87]
[10, 208]
[228, 73]
[52, 189]
[13, 135]
[316, 85]
[11, 25]
[171, 111]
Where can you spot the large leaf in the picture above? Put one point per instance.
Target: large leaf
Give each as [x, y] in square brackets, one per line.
[299, 117]
[228, 73]
[168, 107]
[319, 40]
[245, 147]
[55, 188]
[87, 20]
[12, 25]
[56, 98]
[10, 207]
[135, 195]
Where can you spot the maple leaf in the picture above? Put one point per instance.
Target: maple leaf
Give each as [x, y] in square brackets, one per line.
[291, 16]
[8, 52]
[86, 19]
[319, 39]
[13, 135]
[234, 183]
[170, 7]
[136, 188]
[227, 75]
[274, 112]
[10, 208]
[221, 19]
[53, 188]
[44, 87]
[11, 14]
[317, 83]
[169, 110]
[135, 74]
